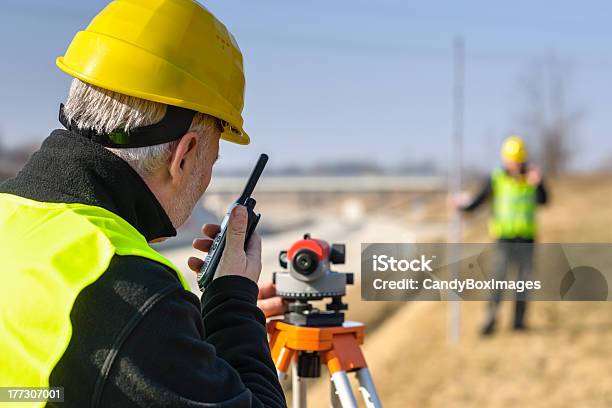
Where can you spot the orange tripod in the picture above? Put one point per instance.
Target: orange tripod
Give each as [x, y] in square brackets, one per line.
[337, 347]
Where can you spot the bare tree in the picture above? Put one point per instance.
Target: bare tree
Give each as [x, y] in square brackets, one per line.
[546, 114]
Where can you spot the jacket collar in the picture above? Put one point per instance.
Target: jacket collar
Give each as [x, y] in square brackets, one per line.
[72, 169]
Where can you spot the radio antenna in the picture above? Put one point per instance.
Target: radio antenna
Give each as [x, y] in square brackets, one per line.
[253, 178]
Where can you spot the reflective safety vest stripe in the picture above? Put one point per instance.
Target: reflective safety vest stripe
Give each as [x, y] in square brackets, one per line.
[514, 207]
[49, 253]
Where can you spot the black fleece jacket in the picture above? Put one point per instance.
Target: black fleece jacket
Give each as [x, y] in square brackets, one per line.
[139, 339]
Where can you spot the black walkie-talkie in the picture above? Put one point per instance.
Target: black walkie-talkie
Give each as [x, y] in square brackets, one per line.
[207, 272]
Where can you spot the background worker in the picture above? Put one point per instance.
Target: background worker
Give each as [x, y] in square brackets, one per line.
[515, 191]
[86, 303]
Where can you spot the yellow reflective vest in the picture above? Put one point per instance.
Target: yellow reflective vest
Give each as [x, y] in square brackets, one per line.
[49, 253]
[514, 207]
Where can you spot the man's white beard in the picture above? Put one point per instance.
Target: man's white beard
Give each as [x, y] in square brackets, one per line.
[183, 205]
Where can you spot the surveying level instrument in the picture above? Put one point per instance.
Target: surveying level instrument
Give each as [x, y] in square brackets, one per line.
[308, 337]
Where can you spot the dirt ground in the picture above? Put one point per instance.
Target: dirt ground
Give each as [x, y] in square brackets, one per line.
[564, 360]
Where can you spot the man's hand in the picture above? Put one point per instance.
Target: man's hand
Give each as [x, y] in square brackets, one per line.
[268, 302]
[534, 175]
[234, 260]
[458, 201]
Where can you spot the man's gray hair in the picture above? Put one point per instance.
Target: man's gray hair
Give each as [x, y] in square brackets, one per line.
[92, 107]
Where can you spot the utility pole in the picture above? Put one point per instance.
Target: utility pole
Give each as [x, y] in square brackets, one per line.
[455, 177]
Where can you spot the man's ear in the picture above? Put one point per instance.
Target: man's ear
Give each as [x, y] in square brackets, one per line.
[183, 157]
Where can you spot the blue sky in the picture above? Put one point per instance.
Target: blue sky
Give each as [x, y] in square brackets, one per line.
[351, 80]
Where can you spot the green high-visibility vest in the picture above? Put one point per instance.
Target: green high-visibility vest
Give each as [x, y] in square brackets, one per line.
[514, 206]
[49, 253]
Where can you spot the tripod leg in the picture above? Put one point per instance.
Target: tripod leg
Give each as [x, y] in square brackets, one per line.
[283, 361]
[333, 396]
[298, 388]
[343, 389]
[367, 388]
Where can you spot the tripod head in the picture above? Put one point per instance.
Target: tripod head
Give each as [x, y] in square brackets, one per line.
[309, 277]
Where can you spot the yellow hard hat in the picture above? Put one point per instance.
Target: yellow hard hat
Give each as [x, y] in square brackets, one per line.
[170, 51]
[514, 150]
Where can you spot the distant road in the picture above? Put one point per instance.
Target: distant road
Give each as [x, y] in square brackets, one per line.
[331, 184]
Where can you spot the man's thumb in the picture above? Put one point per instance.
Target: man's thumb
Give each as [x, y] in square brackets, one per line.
[236, 229]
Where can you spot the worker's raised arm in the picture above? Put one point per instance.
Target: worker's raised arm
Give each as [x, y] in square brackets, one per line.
[534, 178]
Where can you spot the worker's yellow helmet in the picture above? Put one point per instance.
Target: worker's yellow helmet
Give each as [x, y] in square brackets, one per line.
[169, 51]
[514, 150]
